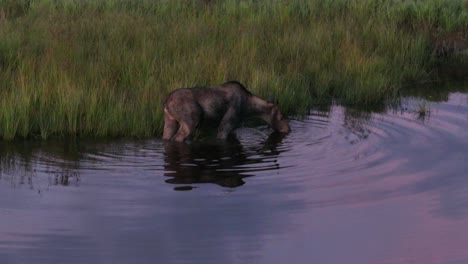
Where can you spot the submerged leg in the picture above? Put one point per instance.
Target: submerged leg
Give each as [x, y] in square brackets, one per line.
[228, 123]
[189, 117]
[185, 130]
[170, 126]
[182, 134]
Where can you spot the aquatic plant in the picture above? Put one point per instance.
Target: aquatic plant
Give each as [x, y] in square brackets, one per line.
[423, 107]
[102, 68]
[423, 111]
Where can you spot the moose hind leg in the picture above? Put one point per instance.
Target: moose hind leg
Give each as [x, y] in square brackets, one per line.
[189, 119]
[185, 130]
[170, 126]
[228, 123]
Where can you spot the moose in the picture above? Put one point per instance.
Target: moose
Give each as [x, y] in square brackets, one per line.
[225, 105]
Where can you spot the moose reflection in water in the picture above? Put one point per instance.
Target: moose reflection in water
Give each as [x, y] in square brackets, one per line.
[225, 163]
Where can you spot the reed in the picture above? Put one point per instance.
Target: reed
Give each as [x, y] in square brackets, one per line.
[101, 68]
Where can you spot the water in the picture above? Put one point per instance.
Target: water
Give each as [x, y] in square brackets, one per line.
[344, 187]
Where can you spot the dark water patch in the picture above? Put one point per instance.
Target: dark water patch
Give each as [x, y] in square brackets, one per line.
[346, 186]
[183, 188]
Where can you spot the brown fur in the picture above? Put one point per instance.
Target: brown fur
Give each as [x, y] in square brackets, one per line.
[226, 105]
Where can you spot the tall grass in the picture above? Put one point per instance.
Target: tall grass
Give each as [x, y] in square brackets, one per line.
[102, 68]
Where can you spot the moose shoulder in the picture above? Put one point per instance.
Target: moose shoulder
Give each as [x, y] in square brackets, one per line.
[225, 105]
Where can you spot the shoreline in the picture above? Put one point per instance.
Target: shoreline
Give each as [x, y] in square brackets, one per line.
[103, 68]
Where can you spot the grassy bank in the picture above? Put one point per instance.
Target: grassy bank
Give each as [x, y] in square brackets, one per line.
[103, 67]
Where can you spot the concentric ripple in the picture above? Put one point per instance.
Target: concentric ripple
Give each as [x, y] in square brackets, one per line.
[341, 147]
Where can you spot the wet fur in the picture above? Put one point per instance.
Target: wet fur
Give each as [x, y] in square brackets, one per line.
[225, 105]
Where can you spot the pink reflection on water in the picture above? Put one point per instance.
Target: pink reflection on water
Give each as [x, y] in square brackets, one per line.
[434, 239]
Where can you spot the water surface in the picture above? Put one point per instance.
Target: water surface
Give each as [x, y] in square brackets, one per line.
[345, 186]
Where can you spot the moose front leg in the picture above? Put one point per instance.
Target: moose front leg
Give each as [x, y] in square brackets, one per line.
[228, 123]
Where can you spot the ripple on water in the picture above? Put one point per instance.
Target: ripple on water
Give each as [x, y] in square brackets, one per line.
[335, 148]
[356, 157]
